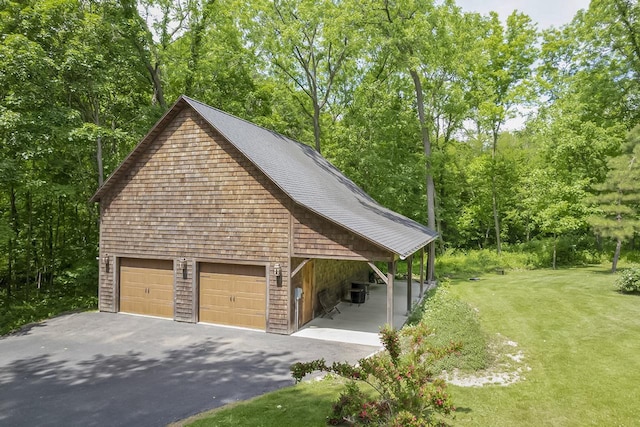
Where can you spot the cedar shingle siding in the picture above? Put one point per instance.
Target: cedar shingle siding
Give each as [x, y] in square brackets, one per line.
[314, 236]
[192, 195]
[189, 195]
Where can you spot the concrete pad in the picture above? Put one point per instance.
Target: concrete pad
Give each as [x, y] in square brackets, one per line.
[360, 324]
[340, 335]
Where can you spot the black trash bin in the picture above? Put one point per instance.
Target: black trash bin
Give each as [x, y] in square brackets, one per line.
[358, 293]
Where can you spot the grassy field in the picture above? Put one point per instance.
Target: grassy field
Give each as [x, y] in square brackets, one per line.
[580, 342]
[580, 338]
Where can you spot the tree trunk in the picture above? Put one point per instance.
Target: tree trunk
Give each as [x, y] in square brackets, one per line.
[426, 143]
[197, 30]
[99, 160]
[13, 240]
[494, 195]
[316, 124]
[555, 244]
[136, 36]
[616, 256]
[31, 246]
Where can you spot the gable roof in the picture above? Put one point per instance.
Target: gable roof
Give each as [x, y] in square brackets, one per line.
[304, 175]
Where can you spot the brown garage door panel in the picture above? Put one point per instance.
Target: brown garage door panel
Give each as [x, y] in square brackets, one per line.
[233, 295]
[146, 287]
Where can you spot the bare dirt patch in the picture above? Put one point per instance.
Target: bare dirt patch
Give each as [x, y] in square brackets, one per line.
[508, 367]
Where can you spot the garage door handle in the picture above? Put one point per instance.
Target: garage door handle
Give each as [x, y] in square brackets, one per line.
[234, 298]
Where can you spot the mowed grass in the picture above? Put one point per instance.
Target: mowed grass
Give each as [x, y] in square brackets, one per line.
[580, 338]
[305, 404]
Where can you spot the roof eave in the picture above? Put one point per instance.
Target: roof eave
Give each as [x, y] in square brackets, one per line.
[417, 248]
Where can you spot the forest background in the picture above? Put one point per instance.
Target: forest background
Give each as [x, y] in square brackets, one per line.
[409, 98]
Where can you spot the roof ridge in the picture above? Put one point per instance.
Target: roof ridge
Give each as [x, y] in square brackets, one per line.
[189, 99]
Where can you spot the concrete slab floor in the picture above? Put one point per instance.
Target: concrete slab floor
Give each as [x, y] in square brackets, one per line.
[361, 324]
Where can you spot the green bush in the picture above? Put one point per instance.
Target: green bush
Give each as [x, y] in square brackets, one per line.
[453, 320]
[570, 251]
[405, 391]
[459, 263]
[628, 282]
[40, 306]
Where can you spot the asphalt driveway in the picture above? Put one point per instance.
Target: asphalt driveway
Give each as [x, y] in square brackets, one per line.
[98, 369]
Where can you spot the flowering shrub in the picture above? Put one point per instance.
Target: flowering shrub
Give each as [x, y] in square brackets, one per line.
[405, 389]
[629, 280]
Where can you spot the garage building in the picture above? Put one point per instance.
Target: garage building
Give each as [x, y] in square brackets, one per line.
[214, 219]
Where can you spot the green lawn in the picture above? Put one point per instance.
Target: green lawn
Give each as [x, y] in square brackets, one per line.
[306, 404]
[580, 339]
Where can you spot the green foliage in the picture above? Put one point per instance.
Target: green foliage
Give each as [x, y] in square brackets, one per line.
[465, 264]
[628, 282]
[618, 197]
[571, 250]
[42, 305]
[453, 320]
[78, 79]
[402, 380]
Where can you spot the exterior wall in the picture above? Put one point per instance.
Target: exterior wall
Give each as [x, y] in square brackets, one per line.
[335, 275]
[192, 195]
[338, 275]
[315, 237]
[185, 291]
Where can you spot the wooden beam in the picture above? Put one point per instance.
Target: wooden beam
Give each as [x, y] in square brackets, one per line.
[299, 267]
[409, 280]
[380, 274]
[391, 269]
[421, 272]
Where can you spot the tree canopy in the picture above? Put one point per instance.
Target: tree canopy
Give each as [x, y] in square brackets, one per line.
[411, 99]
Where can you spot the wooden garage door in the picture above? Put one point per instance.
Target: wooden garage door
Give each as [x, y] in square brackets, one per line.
[146, 287]
[233, 295]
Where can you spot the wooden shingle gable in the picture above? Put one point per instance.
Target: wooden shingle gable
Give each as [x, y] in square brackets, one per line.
[308, 179]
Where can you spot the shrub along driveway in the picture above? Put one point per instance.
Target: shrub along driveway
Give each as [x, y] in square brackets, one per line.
[114, 369]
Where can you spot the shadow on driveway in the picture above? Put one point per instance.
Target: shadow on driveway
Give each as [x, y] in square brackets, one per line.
[125, 370]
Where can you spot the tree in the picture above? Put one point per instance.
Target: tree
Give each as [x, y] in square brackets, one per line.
[502, 85]
[556, 207]
[424, 42]
[310, 44]
[618, 198]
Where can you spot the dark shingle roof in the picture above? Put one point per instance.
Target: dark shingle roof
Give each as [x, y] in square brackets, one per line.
[311, 181]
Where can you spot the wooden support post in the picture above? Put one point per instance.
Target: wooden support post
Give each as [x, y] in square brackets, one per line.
[391, 270]
[409, 282]
[421, 272]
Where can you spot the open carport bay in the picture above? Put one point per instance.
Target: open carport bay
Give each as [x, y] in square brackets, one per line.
[96, 369]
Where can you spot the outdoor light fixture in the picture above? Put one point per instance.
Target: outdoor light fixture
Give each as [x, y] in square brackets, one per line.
[105, 261]
[182, 265]
[277, 270]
